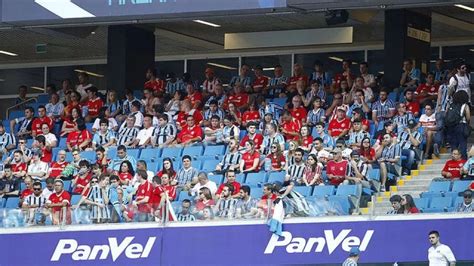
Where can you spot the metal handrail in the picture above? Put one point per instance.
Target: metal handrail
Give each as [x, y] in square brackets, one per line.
[18, 104]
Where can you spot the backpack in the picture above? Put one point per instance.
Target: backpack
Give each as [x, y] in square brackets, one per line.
[453, 116]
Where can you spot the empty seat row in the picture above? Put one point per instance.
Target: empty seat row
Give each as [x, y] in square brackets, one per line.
[438, 204]
[446, 188]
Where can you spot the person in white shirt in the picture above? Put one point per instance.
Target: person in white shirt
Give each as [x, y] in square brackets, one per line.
[50, 139]
[461, 80]
[37, 169]
[439, 254]
[144, 136]
[49, 189]
[54, 108]
[203, 181]
[136, 107]
[83, 86]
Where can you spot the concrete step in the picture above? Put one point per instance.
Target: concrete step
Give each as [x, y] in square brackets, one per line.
[416, 182]
[413, 193]
[414, 187]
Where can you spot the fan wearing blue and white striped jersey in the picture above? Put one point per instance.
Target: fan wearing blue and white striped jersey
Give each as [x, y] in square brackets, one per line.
[98, 199]
[104, 137]
[34, 205]
[128, 134]
[165, 133]
[7, 141]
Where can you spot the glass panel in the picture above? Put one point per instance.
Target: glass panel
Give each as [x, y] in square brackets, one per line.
[165, 67]
[375, 58]
[332, 61]
[434, 55]
[452, 53]
[224, 68]
[269, 62]
[97, 75]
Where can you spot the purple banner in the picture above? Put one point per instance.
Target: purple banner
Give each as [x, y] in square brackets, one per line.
[251, 244]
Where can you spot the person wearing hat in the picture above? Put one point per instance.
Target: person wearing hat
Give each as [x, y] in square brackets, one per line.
[339, 126]
[336, 168]
[354, 255]
[466, 205]
[93, 104]
[37, 169]
[409, 140]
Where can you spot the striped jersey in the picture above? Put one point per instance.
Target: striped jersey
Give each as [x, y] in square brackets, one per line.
[357, 137]
[269, 140]
[101, 139]
[392, 151]
[209, 85]
[185, 176]
[208, 114]
[271, 108]
[244, 81]
[24, 124]
[445, 98]
[361, 166]
[383, 109]
[230, 159]
[232, 132]
[296, 172]
[162, 134]
[97, 195]
[171, 88]
[226, 207]
[277, 85]
[185, 217]
[54, 109]
[401, 121]
[220, 100]
[112, 107]
[6, 139]
[36, 200]
[316, 116]
[404, 139]
[126, 135]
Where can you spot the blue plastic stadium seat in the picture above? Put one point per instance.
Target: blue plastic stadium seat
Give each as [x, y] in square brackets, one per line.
[176, 206]
[75, 199]
[89, 155]
[347, 190]
[433, 210]
[193, 151]
[212, 151]
[240, 178]
[431, 195]
[184, 195]
[392, 96]
[303, 190]
[457, 201]
[440, 203]
[151, 154]
[152, 166]
[209, 165]
[43, 98]
[16, 114]
[196, 164]
[460, 185]
[174, 153]
[67, 185]
[276, 176]
[111, 152]
[421, 203]
[218, 179]
[441, 186]
[2, 203]
[323, 191]
[341, 202]
[254, 179]
[242, 134]
[280, 101]
[62, 143]
[374, 174]
[256, 192]
[135, 153]
[22, 186]
[12, 202]
[89, 127]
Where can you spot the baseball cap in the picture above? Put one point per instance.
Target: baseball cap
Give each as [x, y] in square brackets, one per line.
[341, 108]
[323, 154]
[355, 251]
[411, 123]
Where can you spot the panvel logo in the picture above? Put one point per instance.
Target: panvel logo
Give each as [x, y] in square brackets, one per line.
[87, 252]
[317, 244]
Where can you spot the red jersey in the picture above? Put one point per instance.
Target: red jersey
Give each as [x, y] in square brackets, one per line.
[291, 126]
[430, 90]
[295, 79]
[236, 188]
[189, 133]
[249, 159]
[250, 116]
[276, 161]
[144, 190]
[308, 140]
[125, 176]
[83, 182]
[194, 98]
[238, 100]
[47, 156]
[454, 167]
[260, 83]
[62, 197]
[181, 119]
[56, 168]
[368, 154]
[156, 194]
[413, 107]
[37, 122]
[337, 169]
[160, 174]
[200, 205]
[93, 106]
[299, 113]
[69, 124]
[257, 139]
[76, 138]
[340, 77]
[157, 85]
[103, 166]
[18, 167]
[25, 193]
[337, 126]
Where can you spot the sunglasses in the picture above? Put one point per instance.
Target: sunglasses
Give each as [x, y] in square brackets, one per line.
[274, 147]
[93, 182]
[37, 189]
[467, 196]
[21, 142]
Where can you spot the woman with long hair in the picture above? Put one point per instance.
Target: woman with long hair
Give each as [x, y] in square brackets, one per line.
[70, 124]
[306, 139]
[367, 152]
[312, 172]
[205, 200]
[126, 172]
[458, 134]
[408, 204]
[75, 101]
[276, 158]
[167, 169]
[292, 146]
[250, 159]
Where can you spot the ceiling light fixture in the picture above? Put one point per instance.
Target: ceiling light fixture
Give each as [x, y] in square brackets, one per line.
[472, 50]
[336, 58]
[89, 73]
[221, 66]
[268, 68]
[206, 23]
[8, 53]
[37, 88]
[465, 7]
[2, 80]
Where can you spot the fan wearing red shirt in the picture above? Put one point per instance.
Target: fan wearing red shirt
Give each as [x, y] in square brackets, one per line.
[194, 96]
[345, 75]
[340, 125]
[18, 166]
[298, 75]
[276, 157]
[230, 180]
[252, 134]
[427, 91]
[56, 168]
[260, 82]
[94, 104]
[39, 121]
[160, 187]
[190, 134]
[298, 112]
[250, 159]
[453, 168]
[266, 200]
[155, 84]
[412, 105]
[81, 180]
[306, 139]
[28, 189]
[366, 151]
[46, 151]
[143, 196]
[57, 201]
[126, 172]
[80, 139]
[240, 99]
[251, 115]
[290, 128]
[186, 110]
[336, 169]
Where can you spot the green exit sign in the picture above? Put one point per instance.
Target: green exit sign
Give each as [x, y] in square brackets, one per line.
[41, 48]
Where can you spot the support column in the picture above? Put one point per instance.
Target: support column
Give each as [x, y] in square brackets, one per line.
[407, 35]
[130, 51]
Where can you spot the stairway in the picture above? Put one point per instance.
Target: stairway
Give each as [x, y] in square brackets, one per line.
[414, 184]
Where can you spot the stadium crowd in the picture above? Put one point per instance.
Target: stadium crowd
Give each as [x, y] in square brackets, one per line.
[318, 130]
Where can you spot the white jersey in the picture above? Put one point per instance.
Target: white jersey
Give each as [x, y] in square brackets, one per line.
[462, 83]
[440, 255]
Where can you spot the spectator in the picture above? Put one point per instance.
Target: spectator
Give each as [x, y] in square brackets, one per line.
[143, 195]
[267, 120]
[460, 131]
[466, 205]
[306, 139]
[409, 140]
[328, 141]
[37, 169]
[59, 200]
[9, 184]
[154, 83]
[203, 181]
[225, 206]
[272, 137]
[408, 204]
[402, 117]
[22, 90]
[468, 168]
[240, 99]
[277, 84]
[142, 165]
[246, 206]
[7, 141]
[354, 256]
[34, 205]
[127, 105]
[298, 111]
[250, 158]
[98, 199]
[50, 139]
[265, 205]
[94, 104]
[313, 172]
[83, 85]
[356, 135]
[70, 123]
[276, 159]
[339, 127]
[243, 79]
[112, 123]
[190, 134]
[357, 172]
[289, 127]
[295, 202]
[136, 112]
[149, 100]
[213, 110]
[369, 79]
[388, 155]
[412, 105]
[126, 173]
[317, 147]
[230, 131]
[79, 139]
[230, 176]
[74, 102]
[25, 123]
[122, 156]
[260, 82]
[289, 154]
[186, 176]
[411, 76]
[230, 161]
[440, 73]
[346, 74]
[144, 137]
[359, 100]
[298, 75]
[461, 80]
[427, 92]
[81, 180]
[251, 115]
[428, 123]
[114, 106]
[162, 191]
[359, 114]
[453, 168]
[212, 131]
[396, 200]
[205, 200]
[47, 154]
[265, 108]
[235, 114]
[295, 172]
[185, 215]
[49, 189]
[165, 132]
[194, 96]
[336, 169]
[168, 169]
[320, 76]
[104, 137]
[382, 110]
[218, 96]
[39, 121]
[55, 108]
[18, 164]
[57, 167]
[128, 134]
[210, 83]
[317, 114]
[252, 134]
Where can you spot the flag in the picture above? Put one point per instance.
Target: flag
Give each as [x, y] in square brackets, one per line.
[275, 223]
